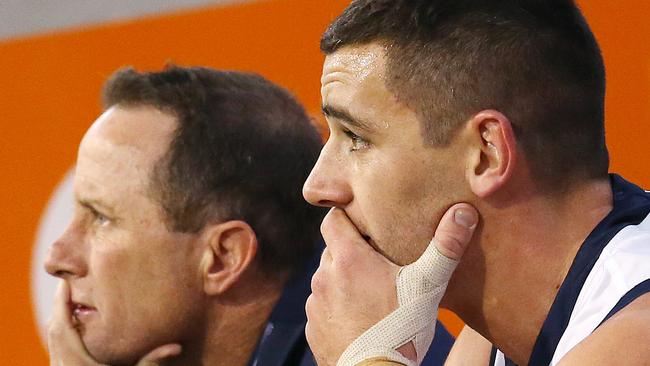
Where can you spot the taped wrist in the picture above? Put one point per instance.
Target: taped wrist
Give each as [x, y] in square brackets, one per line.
[420, 287]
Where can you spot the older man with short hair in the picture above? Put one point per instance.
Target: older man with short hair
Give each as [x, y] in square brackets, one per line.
[191, 243]
[189, 224]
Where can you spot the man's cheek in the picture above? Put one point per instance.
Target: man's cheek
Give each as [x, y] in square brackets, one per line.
[406, 242]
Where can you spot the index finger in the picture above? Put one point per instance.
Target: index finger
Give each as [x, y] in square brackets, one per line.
[341, 235]
[61, 316]
[64, 343]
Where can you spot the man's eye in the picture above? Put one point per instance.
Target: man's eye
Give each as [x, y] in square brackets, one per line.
[101, 219]
[358, 143]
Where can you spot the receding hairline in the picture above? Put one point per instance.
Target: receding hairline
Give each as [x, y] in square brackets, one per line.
[135, 124]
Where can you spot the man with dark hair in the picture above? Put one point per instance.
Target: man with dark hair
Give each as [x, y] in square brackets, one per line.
[499, 104]
[191, 243]
[189, 231]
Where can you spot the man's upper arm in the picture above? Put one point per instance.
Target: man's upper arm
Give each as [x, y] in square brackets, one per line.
[470, 348]
[621, 340]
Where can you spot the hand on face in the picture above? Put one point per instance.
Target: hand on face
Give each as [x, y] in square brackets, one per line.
[355, 287]
[67, 349]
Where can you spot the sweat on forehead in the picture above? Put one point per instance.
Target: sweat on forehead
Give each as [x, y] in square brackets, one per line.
[354, 89]
[361, 61]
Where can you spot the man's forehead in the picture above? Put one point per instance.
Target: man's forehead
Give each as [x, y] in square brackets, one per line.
[142, 128]
[119, 151]
[101, 162]
[356, 61]
[354, 83]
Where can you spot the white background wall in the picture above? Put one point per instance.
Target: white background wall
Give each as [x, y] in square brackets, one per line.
[25, 17]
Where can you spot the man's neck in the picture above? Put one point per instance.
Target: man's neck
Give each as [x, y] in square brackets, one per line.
[508, 279]
[233, 327]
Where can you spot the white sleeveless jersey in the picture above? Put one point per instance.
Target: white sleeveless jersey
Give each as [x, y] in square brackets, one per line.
[611, 269]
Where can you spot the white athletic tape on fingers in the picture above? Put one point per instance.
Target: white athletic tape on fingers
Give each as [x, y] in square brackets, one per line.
[420, 287]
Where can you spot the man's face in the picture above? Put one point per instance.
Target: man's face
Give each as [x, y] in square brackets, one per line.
[376, 164]
[134, 285]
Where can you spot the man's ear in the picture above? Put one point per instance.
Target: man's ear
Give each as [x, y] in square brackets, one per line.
[231, 250]
[493, 152]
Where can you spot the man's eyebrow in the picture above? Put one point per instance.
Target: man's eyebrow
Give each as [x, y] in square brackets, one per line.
[95, 205]
[333, 112]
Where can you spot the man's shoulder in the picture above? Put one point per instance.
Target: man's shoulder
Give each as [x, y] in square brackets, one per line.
[605, 282]
[610, 271]
[620, 340]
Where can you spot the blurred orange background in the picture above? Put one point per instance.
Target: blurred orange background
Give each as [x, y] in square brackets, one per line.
[50, 87]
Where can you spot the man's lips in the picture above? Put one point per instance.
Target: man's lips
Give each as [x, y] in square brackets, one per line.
[80, 310]
[362, 232]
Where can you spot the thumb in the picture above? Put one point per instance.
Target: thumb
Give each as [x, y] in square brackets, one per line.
[158, 355]
[455, 230]
[451, 238]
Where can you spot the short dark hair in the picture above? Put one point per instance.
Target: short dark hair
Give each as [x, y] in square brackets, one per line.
[536, 61]
[242, 149]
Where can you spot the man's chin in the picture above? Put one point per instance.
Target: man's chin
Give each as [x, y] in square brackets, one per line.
[389, 253]
[377, 248]
[112, 351]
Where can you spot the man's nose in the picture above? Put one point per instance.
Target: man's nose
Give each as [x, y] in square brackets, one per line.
[64, 259]
[327, 183]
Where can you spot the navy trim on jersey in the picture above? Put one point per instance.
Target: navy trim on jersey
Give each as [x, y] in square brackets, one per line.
[636, 292]
[631, 206]
[493, 356]
[283, 342]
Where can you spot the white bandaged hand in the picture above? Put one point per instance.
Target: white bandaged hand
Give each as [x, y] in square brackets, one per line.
[420, 287]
